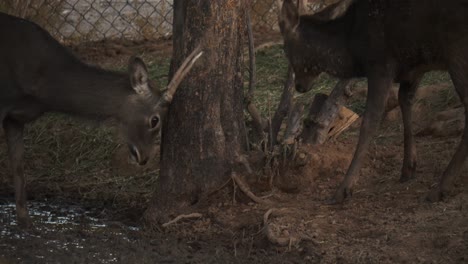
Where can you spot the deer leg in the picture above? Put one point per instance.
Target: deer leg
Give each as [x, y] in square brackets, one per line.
[405, 98]
[14, 137]
[379, 87]
[460, 81]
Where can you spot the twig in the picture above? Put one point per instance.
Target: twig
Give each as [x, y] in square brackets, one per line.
[180, 217]
[245, 189]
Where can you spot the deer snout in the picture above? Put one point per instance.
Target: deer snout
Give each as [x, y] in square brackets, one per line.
[301, 88]
[136, 156]
[303, 85]
[143, 162]
[305, 82]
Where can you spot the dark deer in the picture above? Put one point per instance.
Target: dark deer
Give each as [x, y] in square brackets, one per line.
[38, 75]
[384, 41]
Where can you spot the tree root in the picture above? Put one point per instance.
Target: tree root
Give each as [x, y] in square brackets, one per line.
[181, 217]
[288, 240]
[245, 189]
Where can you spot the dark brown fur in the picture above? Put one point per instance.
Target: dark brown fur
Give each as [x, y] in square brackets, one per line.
[385, 41]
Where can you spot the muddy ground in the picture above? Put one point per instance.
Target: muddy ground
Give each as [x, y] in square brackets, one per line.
[384, 222]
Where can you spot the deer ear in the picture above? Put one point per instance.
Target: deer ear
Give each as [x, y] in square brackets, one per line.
[138, 76]
[289, 17]
[333, 11]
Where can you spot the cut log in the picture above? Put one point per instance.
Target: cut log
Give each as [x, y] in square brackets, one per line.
[345, 119]
[324, 111]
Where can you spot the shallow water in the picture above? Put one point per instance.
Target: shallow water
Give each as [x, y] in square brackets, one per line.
[51, 221]
[50, 214]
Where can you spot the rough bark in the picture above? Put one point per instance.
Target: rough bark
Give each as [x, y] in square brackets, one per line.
[205, 130]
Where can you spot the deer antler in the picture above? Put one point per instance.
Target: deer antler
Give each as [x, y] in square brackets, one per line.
[180, 74]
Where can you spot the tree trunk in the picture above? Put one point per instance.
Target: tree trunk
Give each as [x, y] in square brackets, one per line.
[204, 131]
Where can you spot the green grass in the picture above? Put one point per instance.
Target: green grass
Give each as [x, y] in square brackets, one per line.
[435, 77]
[158, 70]
[272, 68]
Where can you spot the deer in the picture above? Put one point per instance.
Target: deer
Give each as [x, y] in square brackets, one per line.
[39, 75]
[386, 42]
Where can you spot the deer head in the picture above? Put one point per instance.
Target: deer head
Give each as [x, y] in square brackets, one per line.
[312, 43]
[143, 112]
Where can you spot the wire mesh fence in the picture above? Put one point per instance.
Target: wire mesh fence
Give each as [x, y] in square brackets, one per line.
[87, 20]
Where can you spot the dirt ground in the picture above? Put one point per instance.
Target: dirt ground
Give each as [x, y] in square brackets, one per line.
[384, 222]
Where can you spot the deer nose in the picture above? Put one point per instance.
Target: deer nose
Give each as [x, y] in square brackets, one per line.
[134, 153]
[300, 88]
[143, 162]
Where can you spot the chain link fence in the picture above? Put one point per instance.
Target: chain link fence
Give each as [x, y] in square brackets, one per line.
[88, 20]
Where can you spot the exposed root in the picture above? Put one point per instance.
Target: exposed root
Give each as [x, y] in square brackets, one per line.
[181, 217]
[289, 239]
[245, 189]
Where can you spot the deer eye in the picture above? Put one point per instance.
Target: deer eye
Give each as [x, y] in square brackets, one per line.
[154, 121]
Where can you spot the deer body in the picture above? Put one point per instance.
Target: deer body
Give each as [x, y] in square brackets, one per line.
[385, 41]
[36, 68]
[38, 75]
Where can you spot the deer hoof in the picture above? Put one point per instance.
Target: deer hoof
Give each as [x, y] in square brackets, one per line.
[340, 196]
[435, 195]
[407, 173]
[25, 222]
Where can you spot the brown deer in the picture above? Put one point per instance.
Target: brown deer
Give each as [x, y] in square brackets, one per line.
[38, 75]
[384, 41]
